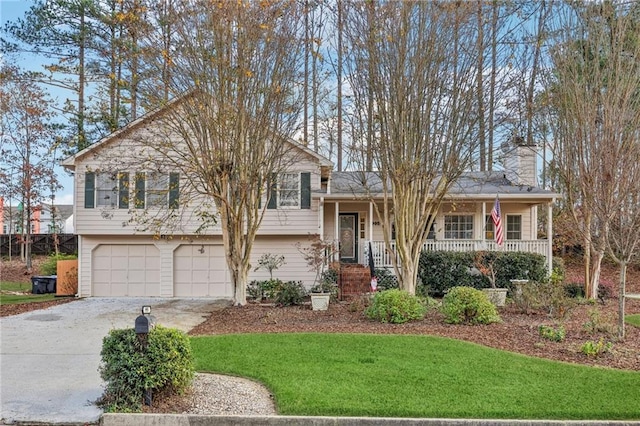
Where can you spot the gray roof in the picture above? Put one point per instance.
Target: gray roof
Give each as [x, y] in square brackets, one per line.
[469, 184]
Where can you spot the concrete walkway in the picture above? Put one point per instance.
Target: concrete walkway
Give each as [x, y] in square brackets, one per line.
[49, 358]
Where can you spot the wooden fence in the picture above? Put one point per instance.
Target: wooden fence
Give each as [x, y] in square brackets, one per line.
[41, 244]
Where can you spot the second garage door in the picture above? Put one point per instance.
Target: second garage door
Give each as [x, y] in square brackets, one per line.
[201, 271]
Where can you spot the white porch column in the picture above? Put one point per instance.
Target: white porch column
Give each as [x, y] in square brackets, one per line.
[370, 220]
[321, 218]
[550, 237]
[483, 229]
[337, 222]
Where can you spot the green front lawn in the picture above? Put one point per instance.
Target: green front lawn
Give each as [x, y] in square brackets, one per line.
[12, 293]
[633, 319]
[416, 376]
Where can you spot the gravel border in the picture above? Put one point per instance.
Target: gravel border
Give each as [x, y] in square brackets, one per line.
[216, 394]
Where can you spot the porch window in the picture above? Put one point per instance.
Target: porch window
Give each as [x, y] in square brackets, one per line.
[489, 228]
[514, 227]
[458, 227]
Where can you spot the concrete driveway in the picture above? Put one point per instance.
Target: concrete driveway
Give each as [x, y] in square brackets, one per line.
[49, 358]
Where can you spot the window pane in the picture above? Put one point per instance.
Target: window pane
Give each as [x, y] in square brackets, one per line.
[106, 190]
[514, 227]
[157, 189]
[458, 227]
[289, 190]
[489, 228]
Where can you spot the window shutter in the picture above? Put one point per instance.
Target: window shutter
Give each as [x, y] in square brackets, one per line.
[305, 190]
[89, 190]
[139, 198]
[272, 193]
[174, 190]
[123, 189]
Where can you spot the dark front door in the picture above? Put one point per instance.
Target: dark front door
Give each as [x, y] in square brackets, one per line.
[348, 231]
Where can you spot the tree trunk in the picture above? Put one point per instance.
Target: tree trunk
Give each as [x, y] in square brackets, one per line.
[621, 301]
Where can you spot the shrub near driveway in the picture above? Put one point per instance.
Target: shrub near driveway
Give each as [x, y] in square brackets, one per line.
[395, 306]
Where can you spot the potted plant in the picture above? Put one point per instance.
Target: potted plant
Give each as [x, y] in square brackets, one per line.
[497, 296]
[325, 284]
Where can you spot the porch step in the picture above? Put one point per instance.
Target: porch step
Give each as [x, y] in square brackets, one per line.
[354, 280]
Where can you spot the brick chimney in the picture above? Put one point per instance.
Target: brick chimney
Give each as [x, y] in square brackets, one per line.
[520, 162]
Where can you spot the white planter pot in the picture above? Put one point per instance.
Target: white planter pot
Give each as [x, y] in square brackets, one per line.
[320, 301]
[497, 296]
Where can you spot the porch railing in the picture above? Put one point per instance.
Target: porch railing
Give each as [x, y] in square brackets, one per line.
[382, 257]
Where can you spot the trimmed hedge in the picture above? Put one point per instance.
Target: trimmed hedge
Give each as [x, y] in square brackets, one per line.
[441, 270]
[468, 305]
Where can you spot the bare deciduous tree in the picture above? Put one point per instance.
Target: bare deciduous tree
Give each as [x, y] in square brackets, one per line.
[594, 93]
[235, 75]
[419, 67]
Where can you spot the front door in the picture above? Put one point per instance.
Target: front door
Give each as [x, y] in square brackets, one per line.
[348, 231]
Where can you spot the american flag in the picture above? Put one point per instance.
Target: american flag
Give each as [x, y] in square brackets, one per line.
[497, 222]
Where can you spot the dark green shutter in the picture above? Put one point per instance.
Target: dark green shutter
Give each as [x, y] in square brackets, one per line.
[174, 190]
[272, 193]
[139, 198]
[305, 190]
[123, 189]
[89, 190]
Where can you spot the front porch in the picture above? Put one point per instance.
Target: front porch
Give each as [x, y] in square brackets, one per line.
[382, 257]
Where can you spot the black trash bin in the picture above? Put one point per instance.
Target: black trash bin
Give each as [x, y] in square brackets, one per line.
[41, 284]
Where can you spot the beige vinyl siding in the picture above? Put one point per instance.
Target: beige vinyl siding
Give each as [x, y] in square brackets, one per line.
[295, 268]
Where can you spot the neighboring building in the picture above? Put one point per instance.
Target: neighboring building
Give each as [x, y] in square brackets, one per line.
[117, 260]
[45, 218]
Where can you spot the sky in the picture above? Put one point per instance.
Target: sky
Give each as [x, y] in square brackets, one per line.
[10, 10]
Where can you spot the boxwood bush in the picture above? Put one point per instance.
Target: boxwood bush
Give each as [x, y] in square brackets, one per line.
[441, 270]
[395, 306]
[130, 366]
[468, 305]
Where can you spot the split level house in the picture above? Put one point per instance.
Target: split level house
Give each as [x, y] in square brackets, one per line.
[117, 259]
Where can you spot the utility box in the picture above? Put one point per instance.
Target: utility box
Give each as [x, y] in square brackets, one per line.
[41, 284]
[144, 324]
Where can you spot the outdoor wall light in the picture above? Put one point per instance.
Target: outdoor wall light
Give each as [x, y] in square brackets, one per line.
[146, 310]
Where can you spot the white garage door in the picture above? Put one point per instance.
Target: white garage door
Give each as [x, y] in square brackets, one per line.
[200, 271]
[126, 270]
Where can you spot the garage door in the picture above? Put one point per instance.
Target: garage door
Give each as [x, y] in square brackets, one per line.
[200, 271]
[126, 270]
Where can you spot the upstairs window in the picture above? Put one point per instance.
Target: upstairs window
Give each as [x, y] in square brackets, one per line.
[106, 189]
[458, 227]
[290, 191]
[157, 190]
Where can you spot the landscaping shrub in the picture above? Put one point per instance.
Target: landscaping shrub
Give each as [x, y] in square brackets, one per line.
[395, 306]
[606, 290]
[50, 266]
[551, 333]
[468, 305]
[574, 290]
[266, 289]
[595, 349]
[290, 293]
[163, 364]
[439, 271]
